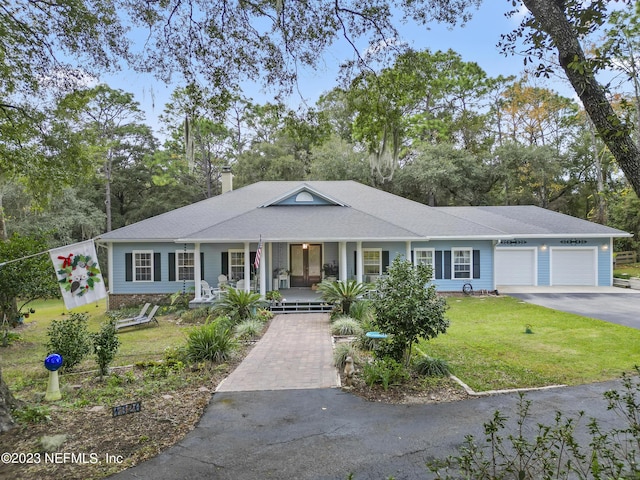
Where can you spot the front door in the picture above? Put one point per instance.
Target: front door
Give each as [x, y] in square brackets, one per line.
[306, 264]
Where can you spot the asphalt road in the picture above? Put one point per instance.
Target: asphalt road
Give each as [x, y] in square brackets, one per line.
[621, 308]
[330, 434]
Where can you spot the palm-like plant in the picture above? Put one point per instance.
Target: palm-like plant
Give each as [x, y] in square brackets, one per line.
[239, 305]
[343, 292]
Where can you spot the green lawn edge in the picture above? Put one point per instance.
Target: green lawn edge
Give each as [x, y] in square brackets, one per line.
[487, 346]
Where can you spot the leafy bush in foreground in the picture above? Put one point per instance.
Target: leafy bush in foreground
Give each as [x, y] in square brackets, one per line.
[70, 338]
[552, 451]
[213, 341]
[346, 326]
[105, 346]
[432, 367]
[385, 371]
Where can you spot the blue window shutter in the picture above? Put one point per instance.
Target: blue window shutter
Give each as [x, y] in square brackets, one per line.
[128, 267]
[438, 262]
[224, 264]
[157, 267]
[476, 264]
[172, 267]
[201, 265]
[447, 264]
[385, 261]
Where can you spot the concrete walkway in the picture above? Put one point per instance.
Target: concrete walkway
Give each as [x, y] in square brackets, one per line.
[296, 352]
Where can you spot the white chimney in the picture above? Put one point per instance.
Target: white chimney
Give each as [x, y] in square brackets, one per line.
[227, 179]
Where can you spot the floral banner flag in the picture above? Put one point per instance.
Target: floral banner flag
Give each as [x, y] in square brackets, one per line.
[78, 273]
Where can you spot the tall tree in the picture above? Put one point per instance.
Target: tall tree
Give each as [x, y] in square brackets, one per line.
[109, 122]
[561, 26]
[38, 41]
[424, 96]
[275, 39]
[196, 119]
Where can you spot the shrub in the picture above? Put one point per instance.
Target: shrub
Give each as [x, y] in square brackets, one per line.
[249, 329]
[362, 311]
[70, 338]
[264, 315]
[385, 371]
[431, 367]
[408, 307]
[105, 346]
[346, 326]
[344, 293]
[195, 315]
[534, 450]
[239, 305]
[213, 341]
[341, 352]
[392, 347]
[273, 295]
[180, 300]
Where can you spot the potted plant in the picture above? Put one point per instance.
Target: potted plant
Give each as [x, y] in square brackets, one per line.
[274, 296]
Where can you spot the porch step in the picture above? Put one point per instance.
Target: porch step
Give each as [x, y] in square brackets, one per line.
[298, 306]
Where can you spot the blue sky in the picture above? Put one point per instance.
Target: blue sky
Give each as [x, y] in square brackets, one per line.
[475, 42]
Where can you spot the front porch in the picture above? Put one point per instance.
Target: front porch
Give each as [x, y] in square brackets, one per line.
[294, 300]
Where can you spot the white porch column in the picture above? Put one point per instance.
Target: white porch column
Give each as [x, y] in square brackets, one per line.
[342, 246]
[247, 267]
[263, 272]
[408, 254]
[197, 269]
[359, 266]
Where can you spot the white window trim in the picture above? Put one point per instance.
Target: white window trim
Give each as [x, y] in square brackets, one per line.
[433, 257]
[134, 254]
[364, 265]
[177, 264]
[244, 260]
[453, 263]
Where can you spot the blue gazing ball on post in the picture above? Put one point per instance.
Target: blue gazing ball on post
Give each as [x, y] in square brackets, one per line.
[53, 362]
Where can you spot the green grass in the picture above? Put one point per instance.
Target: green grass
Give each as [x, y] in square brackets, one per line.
[629, 270]
[486, 345]
[22, 362]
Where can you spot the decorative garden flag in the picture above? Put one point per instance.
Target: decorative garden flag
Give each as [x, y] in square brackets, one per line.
[78, 274]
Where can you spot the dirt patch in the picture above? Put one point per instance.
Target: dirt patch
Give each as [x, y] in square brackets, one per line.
[416, 390]
[98, 444]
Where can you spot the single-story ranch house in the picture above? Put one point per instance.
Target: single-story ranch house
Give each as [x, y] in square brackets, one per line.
[312, 230]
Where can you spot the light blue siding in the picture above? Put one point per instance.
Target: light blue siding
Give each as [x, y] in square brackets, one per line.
[212, 266]
[395, 249]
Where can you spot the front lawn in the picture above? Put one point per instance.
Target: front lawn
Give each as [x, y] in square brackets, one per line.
[627, 270]
[486, 345]
[24, 358]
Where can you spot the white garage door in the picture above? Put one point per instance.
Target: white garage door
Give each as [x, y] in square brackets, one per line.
[573, 266]
[515, 266]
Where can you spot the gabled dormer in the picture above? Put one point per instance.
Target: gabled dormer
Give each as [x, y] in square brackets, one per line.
[305, 195]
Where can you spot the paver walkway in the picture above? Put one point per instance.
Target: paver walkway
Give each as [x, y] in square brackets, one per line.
[296, 352]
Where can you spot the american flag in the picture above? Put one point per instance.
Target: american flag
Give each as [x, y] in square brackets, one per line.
[256, 262]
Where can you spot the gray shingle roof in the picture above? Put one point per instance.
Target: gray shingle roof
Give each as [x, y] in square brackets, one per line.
[531, 221]
[368, 213]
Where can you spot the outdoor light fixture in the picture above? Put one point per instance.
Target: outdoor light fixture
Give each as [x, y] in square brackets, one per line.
[305, 246]
[605, 247]
[543, 247]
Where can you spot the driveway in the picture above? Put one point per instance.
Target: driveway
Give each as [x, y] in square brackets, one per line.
[621, 306]
[329, 434]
